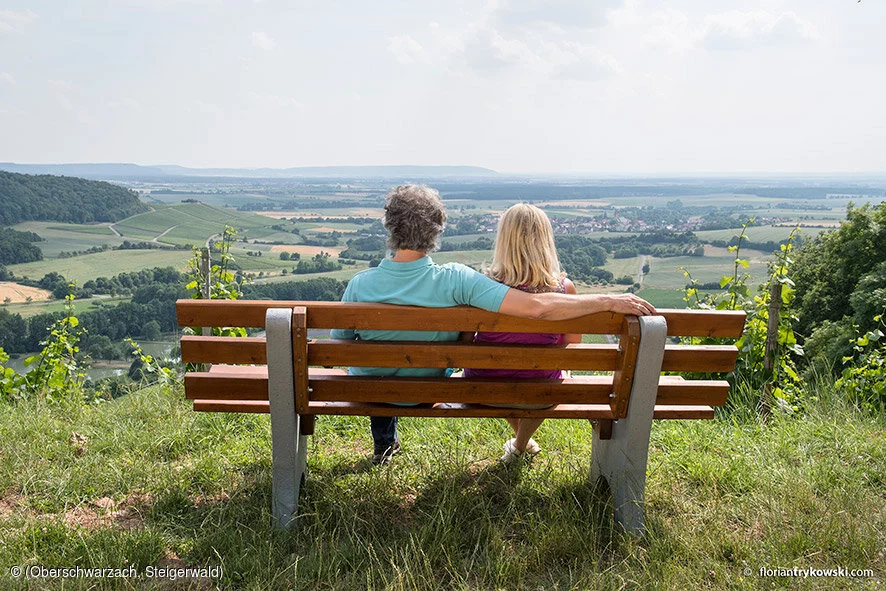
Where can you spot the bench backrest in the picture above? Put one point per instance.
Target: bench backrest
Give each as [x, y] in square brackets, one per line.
[232, 387]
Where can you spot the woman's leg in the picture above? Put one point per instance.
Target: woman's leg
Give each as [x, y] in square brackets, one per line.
[514, 423]
[525, 429]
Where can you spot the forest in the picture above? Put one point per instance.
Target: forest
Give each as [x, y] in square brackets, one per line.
[26, 197]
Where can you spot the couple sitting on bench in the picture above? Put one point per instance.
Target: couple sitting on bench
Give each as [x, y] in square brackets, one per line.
[524, 280]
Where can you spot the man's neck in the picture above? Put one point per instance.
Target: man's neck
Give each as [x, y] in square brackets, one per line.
[408, 256]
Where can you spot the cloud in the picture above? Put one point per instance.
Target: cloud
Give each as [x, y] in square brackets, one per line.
[275, 100]
[263, 41]
[11, 20]
[563, 13]
[127, 103]
[7, 78]
[552, 52]
[207, 108]
[736, 29]
[406, 49]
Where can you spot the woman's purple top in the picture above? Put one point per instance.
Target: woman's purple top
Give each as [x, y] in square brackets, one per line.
[523, 338]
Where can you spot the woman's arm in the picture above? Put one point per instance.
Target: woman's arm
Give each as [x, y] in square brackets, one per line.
[571, 339]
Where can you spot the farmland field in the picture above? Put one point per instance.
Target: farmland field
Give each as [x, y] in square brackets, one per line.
[80, 305]
[69, 237]
[103, 264]
[15, 293]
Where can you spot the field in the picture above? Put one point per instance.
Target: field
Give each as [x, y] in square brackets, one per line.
[69, 237]
[80, 305]
[103, 264]
[14, 293]
[188, 223]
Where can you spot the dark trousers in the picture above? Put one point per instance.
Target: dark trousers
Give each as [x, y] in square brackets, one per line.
[384, 432]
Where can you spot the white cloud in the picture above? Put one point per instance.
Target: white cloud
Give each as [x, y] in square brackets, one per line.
[207, 108]
[263, 41]
[406, 49]
[552, 52]
[7, 78]
[128, 103]
[564, 13]
[11, 20]
[275, 100]
[737, 28]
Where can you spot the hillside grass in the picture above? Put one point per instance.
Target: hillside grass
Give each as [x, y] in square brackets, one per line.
[143, 480]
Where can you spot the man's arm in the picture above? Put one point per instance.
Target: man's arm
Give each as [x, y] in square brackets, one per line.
[563, 306]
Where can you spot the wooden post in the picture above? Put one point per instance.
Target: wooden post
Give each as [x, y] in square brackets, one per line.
[770, 351]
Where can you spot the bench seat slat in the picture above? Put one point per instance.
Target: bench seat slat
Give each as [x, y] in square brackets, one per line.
[662, 412]
[251, 383]
[578, 390]
[352, 315]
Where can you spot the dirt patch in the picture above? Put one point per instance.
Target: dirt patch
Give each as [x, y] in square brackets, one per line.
[19, 294]
[304, 249]
[811, 224]
[11, 504]
[328, 229]
[106, 512]
[575, 203]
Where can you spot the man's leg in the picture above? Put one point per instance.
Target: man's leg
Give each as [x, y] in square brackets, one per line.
[384, 438]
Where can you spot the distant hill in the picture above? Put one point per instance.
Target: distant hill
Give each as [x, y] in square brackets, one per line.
[26, 197]
[136, 171]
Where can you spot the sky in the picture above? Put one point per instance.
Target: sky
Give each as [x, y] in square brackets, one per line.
[519, 86]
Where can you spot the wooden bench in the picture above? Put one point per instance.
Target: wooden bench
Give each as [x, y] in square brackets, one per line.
[288, 375]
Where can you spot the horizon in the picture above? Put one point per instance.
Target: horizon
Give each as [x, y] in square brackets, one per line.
[870, 175]
[621, 87]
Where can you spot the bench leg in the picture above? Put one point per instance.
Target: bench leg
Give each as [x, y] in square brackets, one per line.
[621, 460]
[289, 448]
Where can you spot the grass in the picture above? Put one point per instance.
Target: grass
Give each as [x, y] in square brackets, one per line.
[80, 305]
[143, 480]
[103, 264]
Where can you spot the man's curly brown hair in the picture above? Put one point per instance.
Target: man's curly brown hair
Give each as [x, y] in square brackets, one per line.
[414, 218]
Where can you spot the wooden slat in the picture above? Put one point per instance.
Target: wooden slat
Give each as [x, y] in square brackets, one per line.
[578, 390]
[573, 411]
[250, 406]
[662, 412]
[251, 383]
[701, 358]
[251, 350]
[457, 354]
[227, 350]
[691, 392]
[226, 385]
[300, 357]
[362, 316]
[704, 323]
[623, 379]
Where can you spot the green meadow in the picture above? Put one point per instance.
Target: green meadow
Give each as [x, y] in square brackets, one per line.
[142, 480]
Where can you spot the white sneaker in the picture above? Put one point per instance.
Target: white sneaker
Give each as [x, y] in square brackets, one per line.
[512, 454]
[532, 447]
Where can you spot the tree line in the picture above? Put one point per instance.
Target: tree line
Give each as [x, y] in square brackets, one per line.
[25, 197]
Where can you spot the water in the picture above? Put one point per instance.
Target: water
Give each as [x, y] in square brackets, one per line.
[102, 368]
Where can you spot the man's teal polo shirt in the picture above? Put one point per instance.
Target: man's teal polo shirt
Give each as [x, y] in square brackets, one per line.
[417, 283]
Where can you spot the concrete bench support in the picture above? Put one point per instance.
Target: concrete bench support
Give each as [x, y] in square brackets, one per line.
[289, 448]
[621, 460]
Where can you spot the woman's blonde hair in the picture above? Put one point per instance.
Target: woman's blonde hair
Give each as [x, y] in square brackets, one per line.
[525, 254]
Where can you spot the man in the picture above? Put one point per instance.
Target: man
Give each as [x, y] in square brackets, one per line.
[414, 219]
